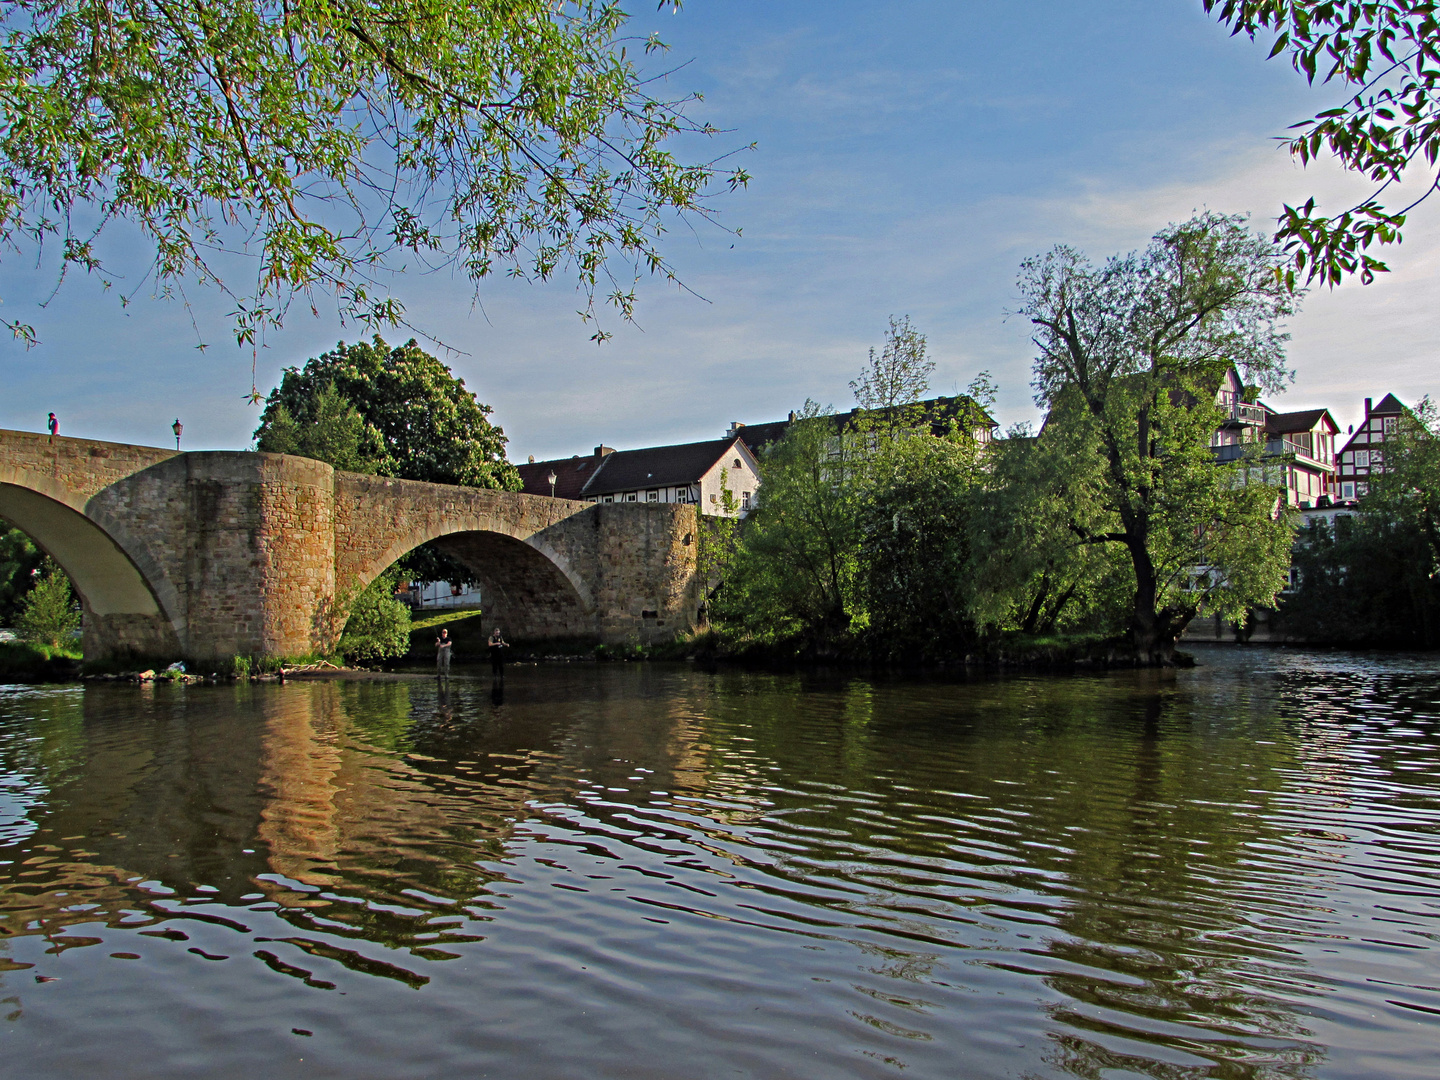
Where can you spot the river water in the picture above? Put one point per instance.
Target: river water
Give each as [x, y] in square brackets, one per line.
[658, 872]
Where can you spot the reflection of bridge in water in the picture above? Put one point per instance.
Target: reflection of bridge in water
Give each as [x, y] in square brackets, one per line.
[216, 554]
[272, 793]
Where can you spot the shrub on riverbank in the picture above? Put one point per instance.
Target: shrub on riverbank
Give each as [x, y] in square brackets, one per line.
[379, 625]
[47, 614]
[26, 661]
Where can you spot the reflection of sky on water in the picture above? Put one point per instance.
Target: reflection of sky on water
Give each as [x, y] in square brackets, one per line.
[610, 870]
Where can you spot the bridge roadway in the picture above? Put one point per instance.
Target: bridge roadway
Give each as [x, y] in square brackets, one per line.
[205, 556]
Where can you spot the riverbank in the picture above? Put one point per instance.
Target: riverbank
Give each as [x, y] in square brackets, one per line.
[26, 662]
[1007, 652]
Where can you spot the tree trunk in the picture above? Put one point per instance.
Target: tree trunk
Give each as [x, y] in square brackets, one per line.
[1151, 634]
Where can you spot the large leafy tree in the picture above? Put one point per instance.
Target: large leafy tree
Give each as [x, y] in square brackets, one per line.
[1130, 353]
[796, 574]
[391, 412]
[420, 422]
[859, 543]
[1386, 53]
[331, 141]
[1033, 569]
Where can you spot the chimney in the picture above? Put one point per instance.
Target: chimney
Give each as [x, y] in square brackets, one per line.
[532, 459]
[735, 426]
[602, 450]
[1367, 406]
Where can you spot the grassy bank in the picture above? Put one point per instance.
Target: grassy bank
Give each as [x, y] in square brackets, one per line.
[21, 661]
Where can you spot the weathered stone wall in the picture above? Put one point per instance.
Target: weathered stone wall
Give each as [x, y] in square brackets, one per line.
[239, 548]
[79, 467]
[218, 554]
[591, 571]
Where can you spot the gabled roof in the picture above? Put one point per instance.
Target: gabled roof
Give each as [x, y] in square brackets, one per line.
[571, 475]
[659, 466]
[1277, 423]
[1389, 404]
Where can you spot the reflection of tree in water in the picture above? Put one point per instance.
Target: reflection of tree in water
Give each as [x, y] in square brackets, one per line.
[1111, 818]
[1172, 941]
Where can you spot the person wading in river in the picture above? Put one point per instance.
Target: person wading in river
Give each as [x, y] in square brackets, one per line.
[443, 646]
[498, 645]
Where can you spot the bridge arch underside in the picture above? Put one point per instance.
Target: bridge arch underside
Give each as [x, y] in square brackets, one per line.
[122, 617]
[523, 590]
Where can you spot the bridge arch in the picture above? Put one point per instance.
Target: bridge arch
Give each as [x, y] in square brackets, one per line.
[527, 586]
[119, 602]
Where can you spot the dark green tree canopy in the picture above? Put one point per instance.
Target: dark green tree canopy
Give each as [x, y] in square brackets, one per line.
[1388, 53]
[394, 412]
[331, 141]
[1130, 354]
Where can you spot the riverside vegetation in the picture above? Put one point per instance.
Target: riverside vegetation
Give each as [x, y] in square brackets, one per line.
[892, 538]
[895, 535]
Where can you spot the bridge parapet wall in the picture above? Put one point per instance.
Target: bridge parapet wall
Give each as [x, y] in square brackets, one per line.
[78, 468]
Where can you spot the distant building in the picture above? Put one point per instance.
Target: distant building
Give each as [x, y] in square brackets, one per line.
[1298, 451]
[694, 473]
[1363, 455]
[940, 413]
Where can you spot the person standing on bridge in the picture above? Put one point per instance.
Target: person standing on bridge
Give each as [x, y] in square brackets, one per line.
[443, 646]
[54, 426]
[498, 645]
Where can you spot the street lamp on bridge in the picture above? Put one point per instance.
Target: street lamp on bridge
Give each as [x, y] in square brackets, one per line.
[177, 427]
[552, 478]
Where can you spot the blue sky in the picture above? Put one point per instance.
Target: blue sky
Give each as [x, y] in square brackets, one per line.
[910, 155]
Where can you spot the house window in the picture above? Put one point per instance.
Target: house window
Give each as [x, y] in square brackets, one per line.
[744, 500]
[681, 495]
[631, 496]
[1391, 423]
[737, 463]
[1362, 459]
[1347, 491]
[609, 498]
[1362, 489]
[652, 496]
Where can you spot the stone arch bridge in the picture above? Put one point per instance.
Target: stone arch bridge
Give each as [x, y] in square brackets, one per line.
[210, 555]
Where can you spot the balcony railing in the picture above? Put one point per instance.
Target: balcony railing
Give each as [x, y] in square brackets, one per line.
[1244, 412]
[1273, 448]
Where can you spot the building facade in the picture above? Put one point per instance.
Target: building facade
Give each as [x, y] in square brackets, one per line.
[1295, 451]
[1363, 455]
[699, 473]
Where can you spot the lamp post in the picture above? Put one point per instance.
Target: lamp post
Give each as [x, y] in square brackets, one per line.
[552, 478]
[177, 428]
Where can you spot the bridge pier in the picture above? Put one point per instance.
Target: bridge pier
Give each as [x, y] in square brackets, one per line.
[206, 556]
